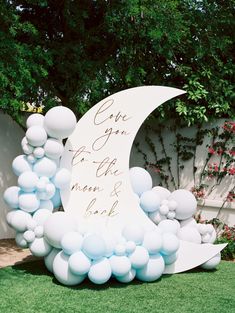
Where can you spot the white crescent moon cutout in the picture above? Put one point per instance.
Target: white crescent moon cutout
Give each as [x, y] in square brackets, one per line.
[97, 154]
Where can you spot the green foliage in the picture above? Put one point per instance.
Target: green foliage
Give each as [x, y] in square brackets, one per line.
[82, 51]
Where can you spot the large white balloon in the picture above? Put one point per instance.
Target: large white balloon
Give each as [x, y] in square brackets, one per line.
[62, 272]
[11, 197]
[149, 201]
[56, 226]
[19, 220]
[29, 202]
[20, 164]
[36, 136]
[53, 148]
[186, 203]
[45, 167]
[66, 125]
[71, 242]
[94, 246]
[62, 178]
[120, 265]
[79, 263]
[35, 120]
[100, 271]
[140, 180]
[162, 192]
[139, 258]
[28, 181]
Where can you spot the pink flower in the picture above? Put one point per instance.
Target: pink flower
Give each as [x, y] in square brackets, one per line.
[211, 150]
[231, 170]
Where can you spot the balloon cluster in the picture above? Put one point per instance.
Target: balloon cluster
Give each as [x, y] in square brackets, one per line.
[73, 252]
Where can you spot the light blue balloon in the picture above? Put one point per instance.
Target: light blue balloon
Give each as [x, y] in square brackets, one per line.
[49, 259]
[128, 277]
[62, 272]
[133, 232]
[29, 202]
[150, 201]
[169, 259]
[139, 258]
[45, 167]
[11, 197]
[48, 193]
[79, 263]
[56, 199]
[27, 181]
[153, 241]
[94, 246]
[20, 164]
[170, 243]
[100, 271]
[120, 265]
[71, 242]
[46, 204]
[20, 241]
[40, 247]
[140, 180]
[62, 178]
[152, 270]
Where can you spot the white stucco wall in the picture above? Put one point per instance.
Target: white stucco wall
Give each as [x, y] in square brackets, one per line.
[10, 138]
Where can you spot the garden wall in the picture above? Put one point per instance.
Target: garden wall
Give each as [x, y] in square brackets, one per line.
[182, 172]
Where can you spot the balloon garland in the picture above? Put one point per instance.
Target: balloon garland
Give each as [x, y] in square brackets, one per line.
[69, 250]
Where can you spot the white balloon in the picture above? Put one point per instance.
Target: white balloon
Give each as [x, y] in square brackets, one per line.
[170, 243]
[213, 236]
[53, 148]
[65, 126]
[71, 242]
[164, 209]
[128, 277]
[172, 205]
[27, 148]
[171, 215]
[140, 180]
[11, 197]
[169, 259]
[149, 201]
[49, 259]
[35, 120]
[188, 222]
[139, 258]
[62, 178]
[56, 226]
[20, 241]
[31, 158]
[10, 215]
[120, 249]
[156, 217]
[46, 204]
[62, 272]
[120, 265]
[40, 247]
[190, 234]
[36, 136]
[39, 152]
[79, 263]
[130, 247]
[152, 270]
[133, 232]
[202, 228]
[162, 192]
[28, 181]
[28, 202]
[100, 271]
[206, 238]
[212, 263]
[186, 203]
[31, 224]
[29, 236]
[38, 231]
[48, 193]
[169, 226]
[41, 216]
[20, 164]
[19, 220]
[152, 242]
[45, 167]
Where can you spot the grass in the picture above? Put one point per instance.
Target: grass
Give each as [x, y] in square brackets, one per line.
[29, 288]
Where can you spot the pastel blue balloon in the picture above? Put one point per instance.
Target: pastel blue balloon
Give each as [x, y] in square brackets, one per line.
[19, 220]
[153, 242]
[71, 242]
[29, 202]
[48, 193]
[152, 270]
[169, 259]
[100, 271]
[20, 165]
[40, 247]
[27, 181]
[46, 204]
[29, 236]
[11, 197]
[56, 199]
[139, 258]
[130, 247]
[133, 232]
[140, 180]
[94, 246]
[120, 249]
[128, 277]
[45, 167]
[150, 201]
[79, 263]
[120, 265]
[20, 241]
[62, 178]
[170, 243]
[49, 259]
[62, 272]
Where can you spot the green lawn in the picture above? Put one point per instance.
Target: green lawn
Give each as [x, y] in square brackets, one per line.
[29, 288]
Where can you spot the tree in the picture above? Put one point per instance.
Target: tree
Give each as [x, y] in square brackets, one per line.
[82, 51]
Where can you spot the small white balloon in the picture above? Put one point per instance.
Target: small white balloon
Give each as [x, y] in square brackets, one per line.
[36, 136]
[149, 201]
[139, 258]
[172, 205]
[11, 197]
[20, 164]
[206, 238]
[28, 181]
[190, 234]
[140, 180]
[128, 277]
[212, 263]
[29, 202]
[27, 148]
[62, 178]
[156, 217]
[153, 270]
[66, 125]
[171, 215]
[53, 148]
[169, 259]
[20, 241]
[62, 271]
[38, 231]
[39, 152]
[120, 265]
[29, 236]
[100, 271]
[164, 210]
[40, 247]
[35, 119]
[130, 247]
[120, 249]
[79, 263]
[71, 242]
[31, 158]
[31, 224]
